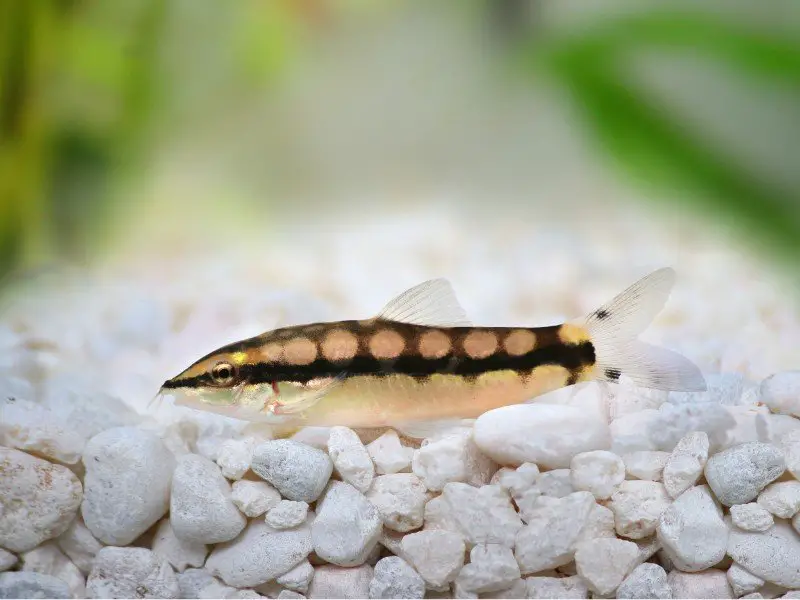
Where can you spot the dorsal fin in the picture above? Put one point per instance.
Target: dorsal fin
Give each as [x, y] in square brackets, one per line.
[431, 303]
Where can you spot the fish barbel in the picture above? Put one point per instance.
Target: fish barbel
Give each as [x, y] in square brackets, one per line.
[420, 362]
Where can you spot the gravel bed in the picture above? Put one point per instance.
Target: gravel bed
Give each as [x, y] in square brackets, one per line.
[574, 495]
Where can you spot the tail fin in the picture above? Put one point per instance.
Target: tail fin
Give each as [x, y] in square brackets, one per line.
[614, 328]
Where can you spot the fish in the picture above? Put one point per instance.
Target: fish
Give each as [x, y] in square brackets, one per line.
[420, 364]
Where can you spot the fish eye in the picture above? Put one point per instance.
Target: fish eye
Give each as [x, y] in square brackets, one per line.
[223, 373]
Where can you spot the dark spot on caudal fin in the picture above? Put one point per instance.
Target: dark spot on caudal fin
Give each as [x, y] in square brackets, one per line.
[602, 314]
[613, 374]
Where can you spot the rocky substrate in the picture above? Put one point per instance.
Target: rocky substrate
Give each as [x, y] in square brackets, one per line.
[639, 494]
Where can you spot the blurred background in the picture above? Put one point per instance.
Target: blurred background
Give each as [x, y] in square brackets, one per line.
[153, 128]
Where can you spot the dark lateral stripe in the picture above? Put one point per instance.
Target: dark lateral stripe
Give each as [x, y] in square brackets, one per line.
[572, 357]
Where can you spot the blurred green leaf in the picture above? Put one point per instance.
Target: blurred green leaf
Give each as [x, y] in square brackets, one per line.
[653, 146]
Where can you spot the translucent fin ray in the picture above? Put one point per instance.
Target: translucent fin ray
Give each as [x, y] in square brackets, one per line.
[431, 303]
[429, 429]
[297, 402]
[615, 326]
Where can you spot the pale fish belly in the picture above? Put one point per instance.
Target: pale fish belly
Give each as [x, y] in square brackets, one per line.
[366, 401]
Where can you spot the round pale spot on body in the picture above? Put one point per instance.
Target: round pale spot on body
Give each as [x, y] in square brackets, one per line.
[550, 376]
[386, 344]
[572, 334]
[434, 344]
[300, 351]
[480, 344]
[339, 345]
[519, 342]
[272, 352]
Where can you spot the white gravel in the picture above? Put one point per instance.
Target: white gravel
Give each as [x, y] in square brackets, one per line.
[259, 554]
[37, 500]
[634, 494]
[297, 471]
[351, 461]
[451, 457]
[287, 514]
[400, 499]
[347, 526]
[131, 573]
[127, 484]
[395, 578]
[685, 465]
[179, 553]
[546, 434]
[751, 517]
[389, 455]
[436, 555]
[201, 509]
[254, 498]
[692, 532]
[738, 474]
[599, 472]
[647, 580]
[25, 584]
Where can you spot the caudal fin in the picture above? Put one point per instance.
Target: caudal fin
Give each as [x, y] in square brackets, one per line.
[615, 327]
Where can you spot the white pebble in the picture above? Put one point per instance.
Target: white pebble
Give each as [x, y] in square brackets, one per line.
[127, 484]
[549, 539]
[685, 465]
[646, 464]
[287, 514]
[738, 474]
[648, 580]
[604, 562]
[290, 595]
[32, 427]
[546, 434]
[80, 545]
[461, 593]
[400, 499]
[297, 578]
[711, 583]
[598, 472]
[751, 517]
[395, 578]
[179, 553]
[781, 392]
[676, 420]
[350, 458]
[555, 484]
[518, 589]
[637, 507]
[337, 582]
[451, 457]
[199, 583]
[743, 581]
[629, 433]
[389, 455]
[37, 500]
[491, 568]
[131, 573]
[557, 587]
[297, 471]
[259, 554]
[7, 560]
[772, 555]
[782, 499]
[516, 481]
[24, 584]
[347, 526]
[254, 498]
[482, 515]
[49, 560]
[201, 510]
[235, 456]
[600, 524]
[436, 555]
[692, 532]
